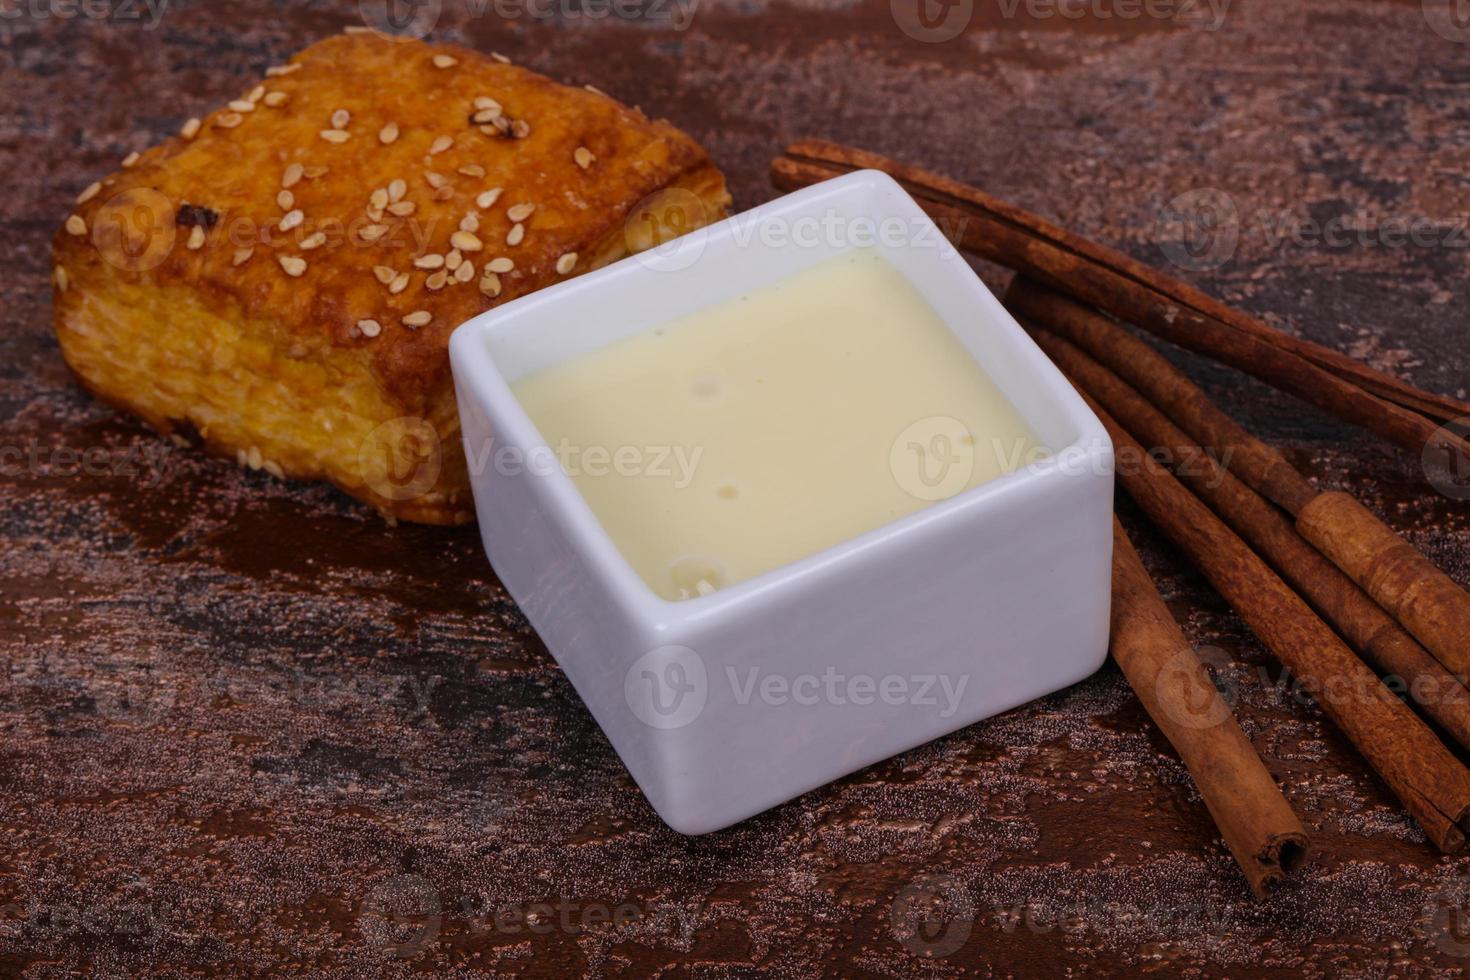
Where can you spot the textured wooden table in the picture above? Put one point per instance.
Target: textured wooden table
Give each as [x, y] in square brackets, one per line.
[246, 728]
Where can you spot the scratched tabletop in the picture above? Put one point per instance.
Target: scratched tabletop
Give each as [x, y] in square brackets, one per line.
[246, 728]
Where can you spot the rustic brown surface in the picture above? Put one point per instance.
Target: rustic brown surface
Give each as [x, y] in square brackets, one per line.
[247, 728]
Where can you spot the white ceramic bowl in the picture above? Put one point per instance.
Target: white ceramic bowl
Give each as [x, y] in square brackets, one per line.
[725, 705]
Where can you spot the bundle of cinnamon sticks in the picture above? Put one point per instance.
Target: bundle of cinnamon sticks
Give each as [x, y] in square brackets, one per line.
[1333, 593]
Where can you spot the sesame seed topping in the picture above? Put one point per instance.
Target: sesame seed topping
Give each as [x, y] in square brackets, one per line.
[369, 328]
[294, 265]
[520, 129]
[500, 265]
[520, 212]
[293, 175]
[312, 173]
[371, 233]
[61, 278]
[131, 159]
[454, 260]
[584, 157]
[336, 135]
[465, 241]
[388, 133]
[484, 117]
[196, 238]
[92, 191]
[242, 105]
[276, 99]
[76, 225]
[402, 209]
[341, 118]
[418, 318]
[470, 222]
[490, 285]
[472, 170]
[256, 94]
[384, 274]
[286, 200]
[316, 240]
[279, 70]
[444, 193]
[190, 129]
[293, 219]
[596, 91]
[379, 198]
[396, 190]
[440, 145]
[488, 198]
[500, 57]
[253, 457]
[431, 261]
[398, 285]
[229, 120]
[516, 235]
[274, 469]
[242, 255]
[435, 180]
[465, 272]
[484, 102]
[444, 61]
[566, 263]
[436, 280]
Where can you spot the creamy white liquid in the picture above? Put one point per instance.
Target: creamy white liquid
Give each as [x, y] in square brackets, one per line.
[746, 436]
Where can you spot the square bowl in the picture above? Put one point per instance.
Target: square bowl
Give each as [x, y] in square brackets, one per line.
[726, 704]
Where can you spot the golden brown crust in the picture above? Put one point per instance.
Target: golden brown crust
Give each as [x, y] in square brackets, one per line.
[292, 218]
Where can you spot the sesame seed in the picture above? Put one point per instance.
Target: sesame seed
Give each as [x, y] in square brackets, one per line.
[520, 129]
[196, 238]
[465, 241]
[131, 159]
[341, 118]
[516, 235]
[312, 241]
[229, 120]
[92, 191]
[431, 261]
[465, 272]
[312, 173]
[444, 193]
[369, 328]
[500, 57]
[435, 180]
[76, 225]
[488, 198]
[484, 102]
[490, 285]
[293, 219]
[354, 29]
[279, 70]
[294, 265]
[293, 175]
[379, 198]
[396, 190]
[398, 285]
[61, 278]
[276, 99]
[242, 255]
[418, 318]
[472, 170]
[388, 133]
[500, 265]
[402, 209]
[584, 157]
[520, 212]
[496, 129]
[436, 280]
[440, 145]
[566, 263]
[253, 457]
[256, 94]
[371, 233]
[273, 469]
[384, 274]
[242, 105]
[454, 260]
[444, 61]
[286, 200]
[485, 117]
[190, 129]
[336, 135]
[470, 222]
[596, 91]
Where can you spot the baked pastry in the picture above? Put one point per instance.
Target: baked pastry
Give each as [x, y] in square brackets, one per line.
[279, 282]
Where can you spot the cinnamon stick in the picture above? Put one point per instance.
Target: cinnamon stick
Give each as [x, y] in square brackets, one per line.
[1381, 641]
[1147, 297]
[1432, 784]
[1259, 827]
[1400, 579]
